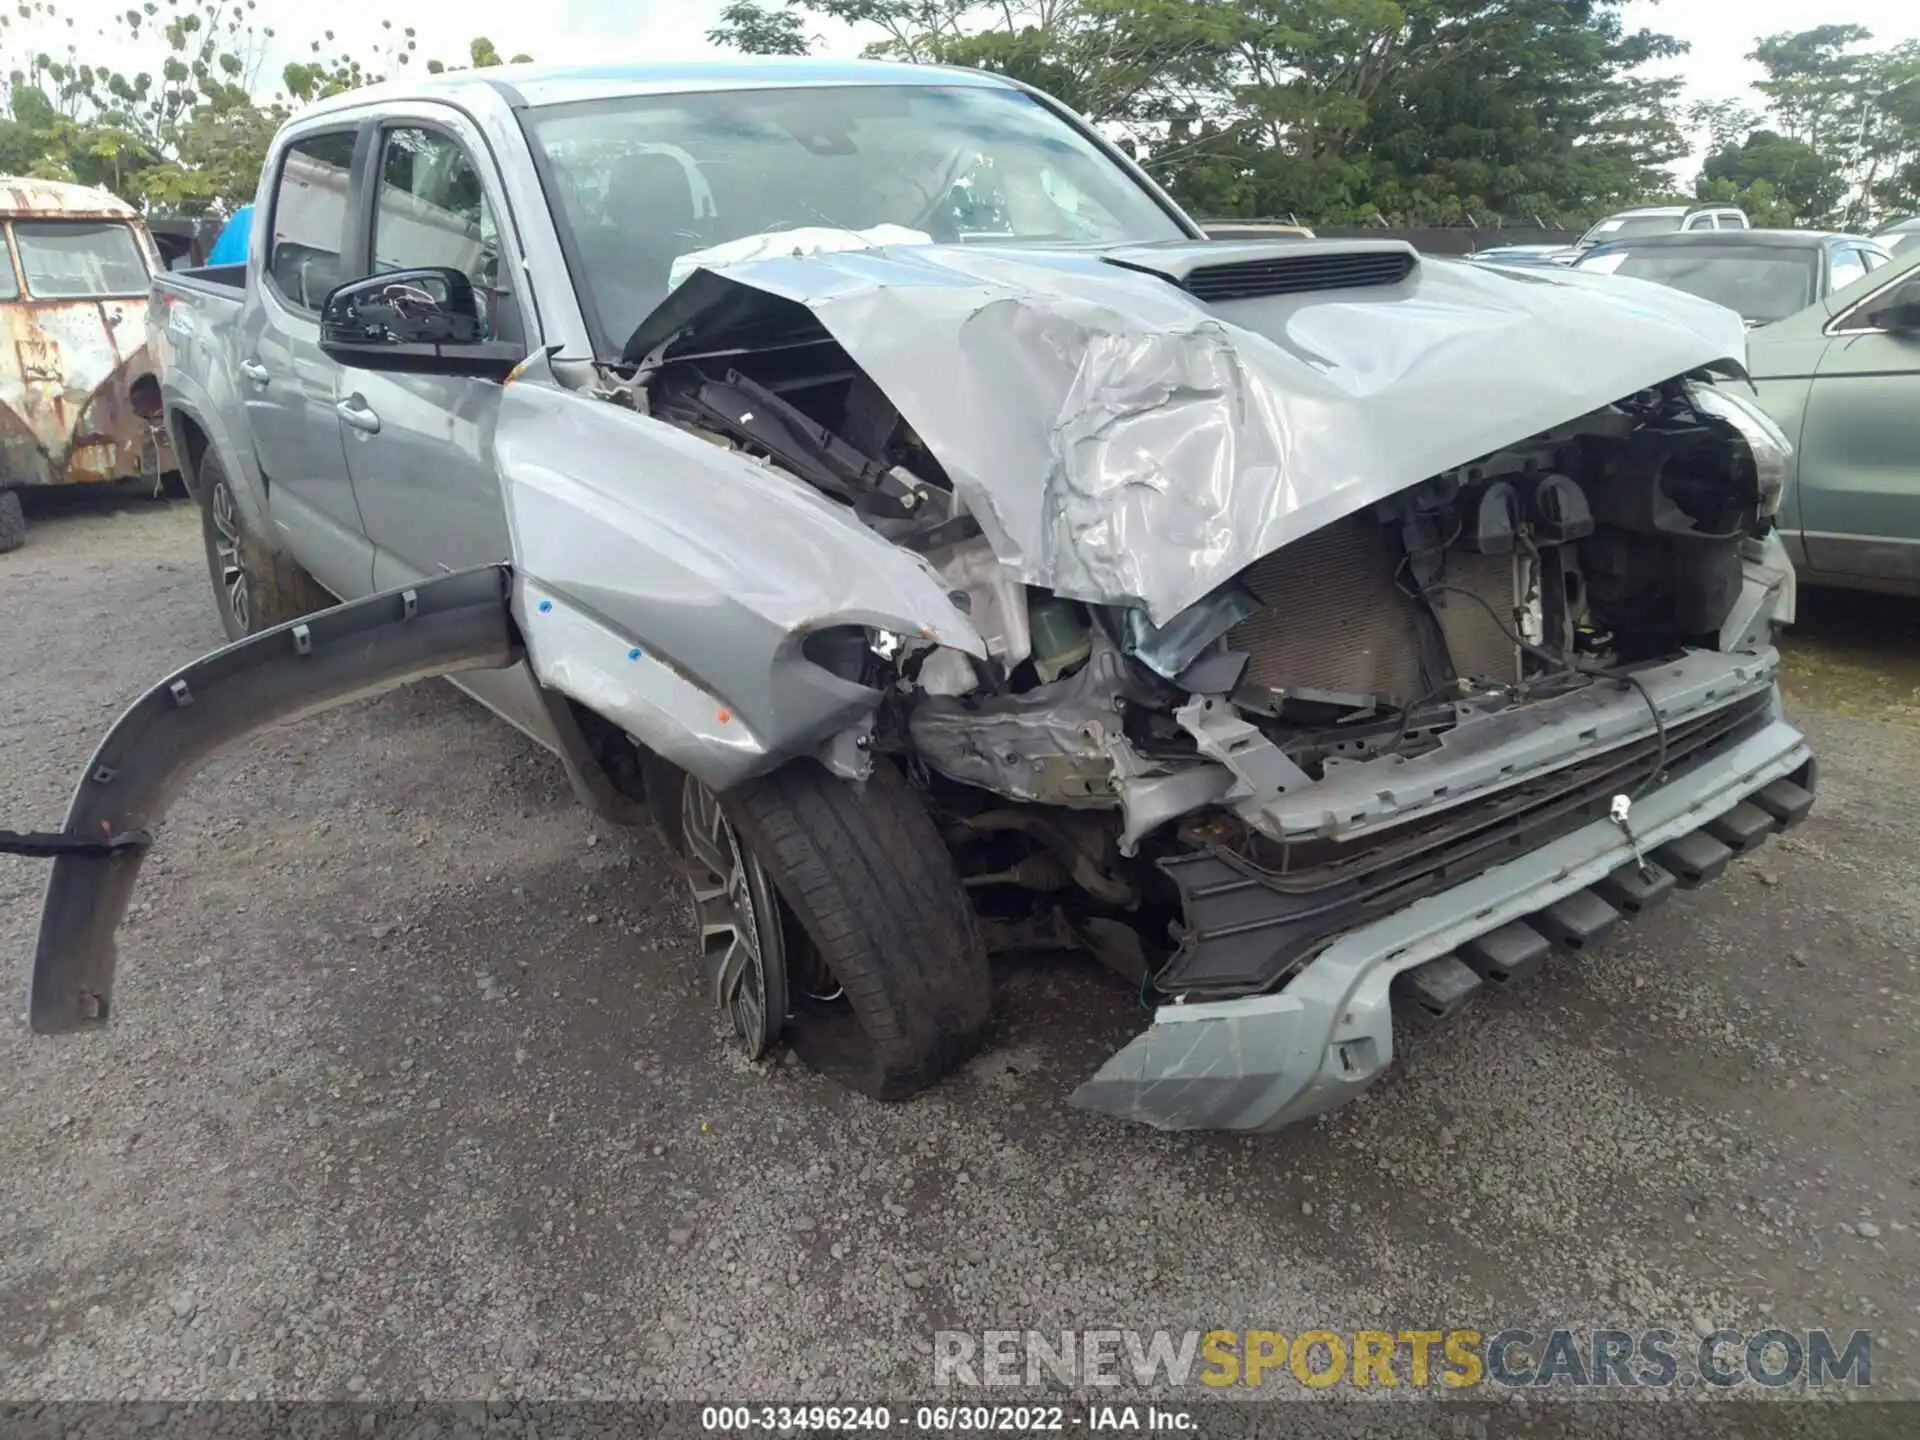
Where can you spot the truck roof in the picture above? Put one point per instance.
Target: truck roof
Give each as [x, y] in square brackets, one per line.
[24, 195]
[560, 84]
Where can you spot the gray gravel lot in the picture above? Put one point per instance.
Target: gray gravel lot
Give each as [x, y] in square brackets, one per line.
[411, 1090]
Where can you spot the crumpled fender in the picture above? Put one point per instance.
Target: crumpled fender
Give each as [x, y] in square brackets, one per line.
[667, 583]
[436, 627]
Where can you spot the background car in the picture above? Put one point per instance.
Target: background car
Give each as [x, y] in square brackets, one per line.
[1638, 221]
[1763, 275]
[1900, 236]
[1842, 379]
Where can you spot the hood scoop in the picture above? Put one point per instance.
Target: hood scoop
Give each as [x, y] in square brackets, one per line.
[1248, 270]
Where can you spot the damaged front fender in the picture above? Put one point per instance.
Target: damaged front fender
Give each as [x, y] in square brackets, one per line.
[436, 627]
[675, 597]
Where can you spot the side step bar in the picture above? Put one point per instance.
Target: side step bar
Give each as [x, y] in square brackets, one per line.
[434, 627]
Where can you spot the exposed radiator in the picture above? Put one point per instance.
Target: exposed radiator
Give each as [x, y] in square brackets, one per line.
[1480, 649]
[1333, 619]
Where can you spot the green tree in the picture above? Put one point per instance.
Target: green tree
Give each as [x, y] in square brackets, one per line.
[756, 29]
[1813, 80]
[1463, 110]
[1761, 201]
[333, 74]
[186, 129]
[1857, 109]
[1802, 186]
[1725, 121]
[1109, 59]
[1332, 110]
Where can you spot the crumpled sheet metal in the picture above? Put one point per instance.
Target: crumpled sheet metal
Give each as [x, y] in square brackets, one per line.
[1122, 443]
[807, 240]
[672, 596]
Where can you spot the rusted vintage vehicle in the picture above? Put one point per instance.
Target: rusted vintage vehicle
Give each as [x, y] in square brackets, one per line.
[78, 399]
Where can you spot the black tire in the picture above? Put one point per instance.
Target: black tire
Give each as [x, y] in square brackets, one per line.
[255, 587]
[874, 907]
[13, 522]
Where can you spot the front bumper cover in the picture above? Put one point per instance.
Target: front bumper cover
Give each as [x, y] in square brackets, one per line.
[1265, 1061]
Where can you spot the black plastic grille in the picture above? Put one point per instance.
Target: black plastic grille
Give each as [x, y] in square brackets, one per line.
[1248, 925]
[1294, 274]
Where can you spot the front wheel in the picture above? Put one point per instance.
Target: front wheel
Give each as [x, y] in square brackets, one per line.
[833, 913]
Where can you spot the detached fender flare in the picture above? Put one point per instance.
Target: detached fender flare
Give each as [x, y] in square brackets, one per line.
[434, 627]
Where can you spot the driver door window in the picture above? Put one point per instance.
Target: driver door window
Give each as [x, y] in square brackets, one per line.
[432, 210]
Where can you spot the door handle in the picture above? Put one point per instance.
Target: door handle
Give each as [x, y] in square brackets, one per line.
[356, 412]
[255, 371]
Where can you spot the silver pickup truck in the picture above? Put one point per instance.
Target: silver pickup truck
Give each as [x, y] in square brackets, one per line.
[867, 474]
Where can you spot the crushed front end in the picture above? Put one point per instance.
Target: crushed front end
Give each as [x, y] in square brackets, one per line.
[1397, 761]
[1291, 725]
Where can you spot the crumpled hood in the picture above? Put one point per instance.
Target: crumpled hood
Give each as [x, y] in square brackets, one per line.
[1122, 442]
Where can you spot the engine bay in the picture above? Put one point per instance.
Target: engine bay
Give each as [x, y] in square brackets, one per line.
[1094, 753]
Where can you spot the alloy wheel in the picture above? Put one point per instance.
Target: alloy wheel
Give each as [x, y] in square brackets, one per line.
[738, 910]
[227, 553]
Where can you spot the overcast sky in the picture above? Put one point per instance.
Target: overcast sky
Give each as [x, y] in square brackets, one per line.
[568, 31]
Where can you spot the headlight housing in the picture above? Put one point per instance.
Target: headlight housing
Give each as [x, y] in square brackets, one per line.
[1768, 444]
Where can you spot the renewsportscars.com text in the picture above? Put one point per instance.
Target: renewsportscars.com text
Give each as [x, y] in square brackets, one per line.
[1454, 1358]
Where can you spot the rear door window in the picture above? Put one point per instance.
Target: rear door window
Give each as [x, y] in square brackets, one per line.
[309, 222]
[80, 259]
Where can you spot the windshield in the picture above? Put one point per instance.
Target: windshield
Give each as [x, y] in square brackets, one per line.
[1627, 227]
[1760, 285]
[643, 180]
[70, 259]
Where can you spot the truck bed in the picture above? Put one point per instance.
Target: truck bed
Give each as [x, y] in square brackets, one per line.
[192, 320]
[227, 281]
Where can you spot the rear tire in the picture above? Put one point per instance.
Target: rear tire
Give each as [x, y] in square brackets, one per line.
[887, 977]
[255, 587]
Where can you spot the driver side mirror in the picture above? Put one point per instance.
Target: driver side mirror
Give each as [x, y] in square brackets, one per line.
[1898, 311]
[424, 321]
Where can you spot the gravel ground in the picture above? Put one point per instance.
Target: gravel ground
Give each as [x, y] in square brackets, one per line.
[411, 1092]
